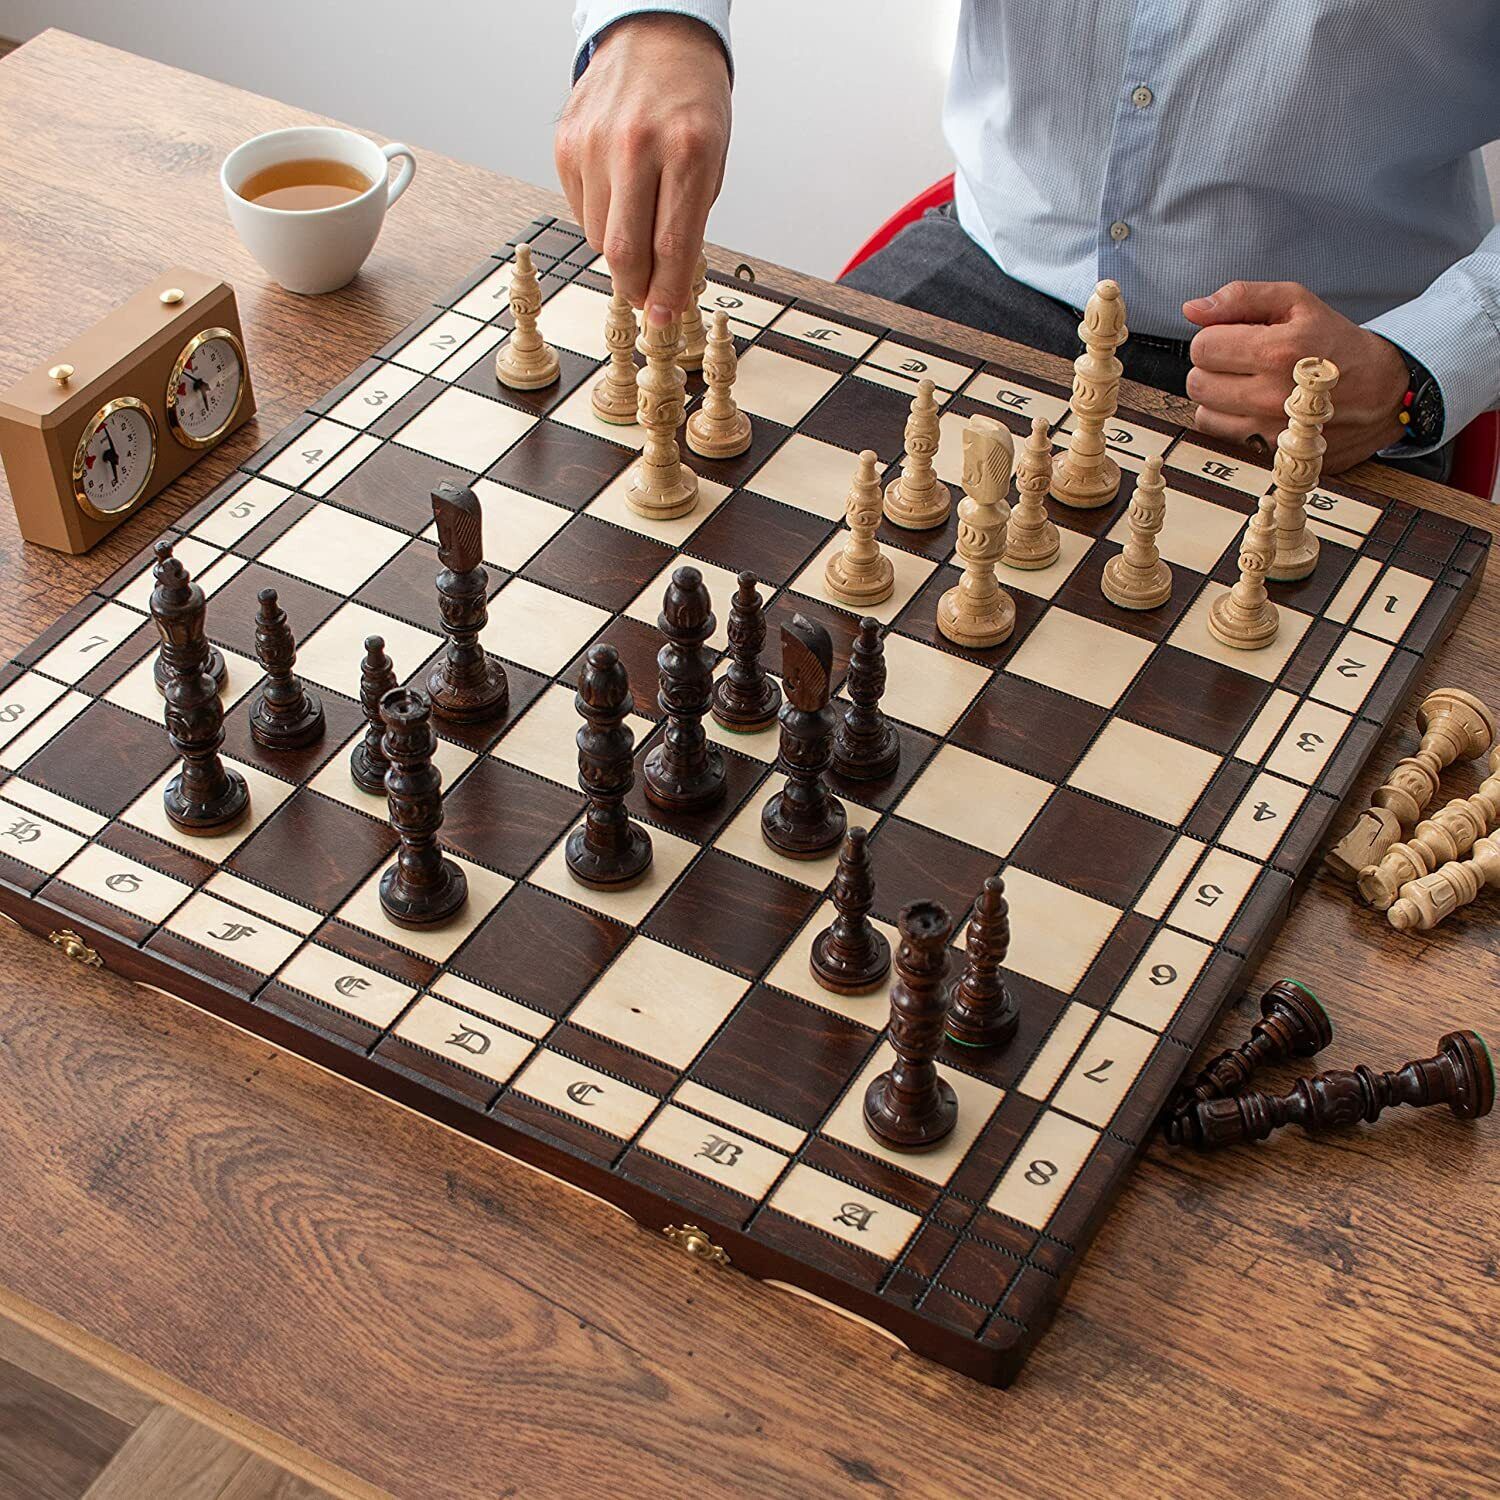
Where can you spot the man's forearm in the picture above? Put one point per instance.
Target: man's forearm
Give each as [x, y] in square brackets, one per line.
[592, 17]
[1453, 329]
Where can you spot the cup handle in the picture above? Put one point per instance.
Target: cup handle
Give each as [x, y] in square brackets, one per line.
[405, 175]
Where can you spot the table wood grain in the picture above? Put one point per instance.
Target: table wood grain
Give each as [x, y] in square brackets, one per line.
[436, 1320]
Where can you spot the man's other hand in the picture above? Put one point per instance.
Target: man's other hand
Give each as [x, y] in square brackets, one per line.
[1253, 332]
[640, 150]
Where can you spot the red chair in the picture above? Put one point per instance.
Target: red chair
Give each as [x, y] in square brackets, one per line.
[1476, 459]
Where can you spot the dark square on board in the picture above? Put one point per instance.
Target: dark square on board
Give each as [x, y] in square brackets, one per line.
[103, 760]
[919, 620]
[1083, 596]
[792, 1059]
[561, 464]
[858, 414]
[604, 564]
[407, 585]
[1031, 727]
[766, 437]
[1194, 699]
[573, 370]
[314, 851]
[505, 817]
[539, 950]
[1095, 847]
[913, 863]
[233, 608]
[770, 539]
[395, 485]
[735, 915]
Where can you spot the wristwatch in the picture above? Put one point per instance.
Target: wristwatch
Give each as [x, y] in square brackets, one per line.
[1421, 413]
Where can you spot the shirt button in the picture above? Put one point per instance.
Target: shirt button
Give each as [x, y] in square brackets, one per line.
[1141, 96]
[1119, 230]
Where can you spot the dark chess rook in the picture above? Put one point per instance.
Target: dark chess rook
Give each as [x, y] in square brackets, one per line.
[623, 979]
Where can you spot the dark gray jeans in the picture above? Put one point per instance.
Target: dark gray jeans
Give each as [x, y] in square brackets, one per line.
[933, 265]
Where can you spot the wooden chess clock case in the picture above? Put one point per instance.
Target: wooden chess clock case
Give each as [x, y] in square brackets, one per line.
[130, 352]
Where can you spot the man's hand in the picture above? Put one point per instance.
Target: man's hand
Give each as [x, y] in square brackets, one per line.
[1253, 332]
[640, 150]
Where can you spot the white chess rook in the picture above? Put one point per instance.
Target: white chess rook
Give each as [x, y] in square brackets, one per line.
[1298, 465]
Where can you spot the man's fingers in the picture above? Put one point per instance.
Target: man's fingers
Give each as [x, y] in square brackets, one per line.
[593, 212]
[1235, 349]
[1227, 425]
[1257, 396]
[1245, 302]
[628, 227]
[683, 198]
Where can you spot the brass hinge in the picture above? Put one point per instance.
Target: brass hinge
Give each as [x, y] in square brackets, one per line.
[75, 948]
[697, 1244]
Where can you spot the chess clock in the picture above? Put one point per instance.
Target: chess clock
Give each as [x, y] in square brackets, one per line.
[92, 436]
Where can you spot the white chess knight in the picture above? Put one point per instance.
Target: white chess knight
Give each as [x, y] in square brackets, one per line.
[977, 612]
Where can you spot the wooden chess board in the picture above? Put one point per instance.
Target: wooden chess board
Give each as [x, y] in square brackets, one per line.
[1152, 798]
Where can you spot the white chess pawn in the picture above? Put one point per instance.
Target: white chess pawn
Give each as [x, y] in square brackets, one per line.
[1244, 616]
[719, 429]
[1137, 578]
[614, 396]
[916, 498]
[525, 361]
[661, 486]
[859, 573]
[1031, 539]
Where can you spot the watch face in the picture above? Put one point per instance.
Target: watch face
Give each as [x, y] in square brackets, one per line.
[1427, 412]
[115, 458]
[207, 382]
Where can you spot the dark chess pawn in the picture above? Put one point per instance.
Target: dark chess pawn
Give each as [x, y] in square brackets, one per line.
[982, 1012]
[865, 745]
[746, 697]
[910, 1107]
[468, 684]
[684, 772]
[205, 796]
[1293, 1024]
[608, 851]
[1461, 1075]
[367, 762]
[804, 819]
[850, 957]
[423, 887]
[285, 714]
[215, 666]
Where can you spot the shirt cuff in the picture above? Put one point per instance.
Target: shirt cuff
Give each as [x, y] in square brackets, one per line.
[1453, 329]
[591, 18]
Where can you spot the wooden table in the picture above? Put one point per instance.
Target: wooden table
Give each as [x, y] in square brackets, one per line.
[308, 1264]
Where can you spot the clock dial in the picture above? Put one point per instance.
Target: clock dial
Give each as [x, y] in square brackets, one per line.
[115, 457]
[205, 389]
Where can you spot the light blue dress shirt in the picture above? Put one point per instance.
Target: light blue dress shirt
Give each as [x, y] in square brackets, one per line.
[1179, 146]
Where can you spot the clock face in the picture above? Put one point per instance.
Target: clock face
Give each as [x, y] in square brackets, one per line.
[115, 457]
[206, 386]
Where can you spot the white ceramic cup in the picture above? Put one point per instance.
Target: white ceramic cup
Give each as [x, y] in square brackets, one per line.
[314, 250]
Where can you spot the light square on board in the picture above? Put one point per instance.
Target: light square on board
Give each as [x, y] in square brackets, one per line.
[539, 627]
[792, 972]
[543, 740]
[720, 582]
[489, 297]
[977, 1101]
[125, 883]
[1393, 604]
[137, 689]
[89, 642]
[1197, 532]
[463, 1039]
[1307, 743]
[1263, 816]
[334, 548]
[462, 360]
[1162, 978]
[1214, 894]
[1148, 772]
[24, 702]
[1133, 438]
[742, 837]
[308, 452]
[336, 781]
[918, 364]
[267, 793]
[573, 318]
[609, 505]
[194, 554]
[1062, 1042]
[586, 1094]
[1055, 932]
[1043, 583]
[670, 856]
[770, 384]
[516, 526]
[438, 341]
[465, 429]
[36, 841]
[1080, 656]
[1193, 458]
[244, 937]
[487, 889]
[373, 396]
[341, 465]
[1106, 1066]
[909, 570]
[54, 807]
[339, 981]
[928, 687]
[659, 1001]
[1192, 634]
[809, 474]
[1352, 671]
[814, 328]
[975, 800]
[240, 512]
[686, 1139]
[577, 410]
[43, 728]
[331, 655]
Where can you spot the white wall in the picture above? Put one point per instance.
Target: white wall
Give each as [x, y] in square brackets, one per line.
[821, 154]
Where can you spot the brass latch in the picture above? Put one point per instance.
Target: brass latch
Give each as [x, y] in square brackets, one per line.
[75, 948]
[697, 1244]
